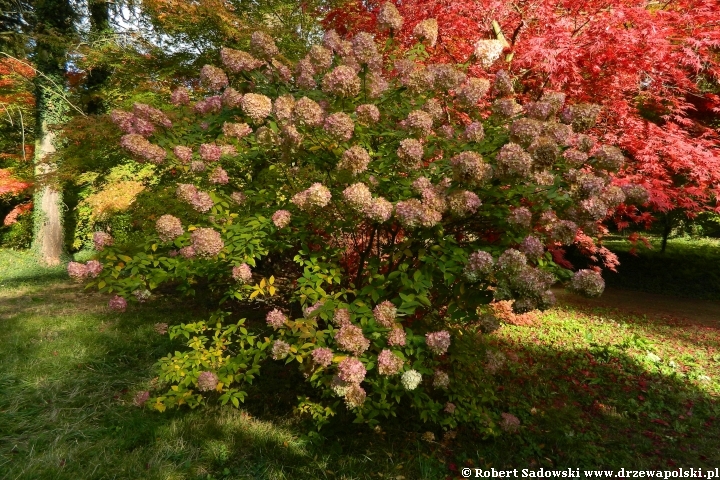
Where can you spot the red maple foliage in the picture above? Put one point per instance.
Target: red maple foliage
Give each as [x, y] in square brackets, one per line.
[9, 185]
[644, 62]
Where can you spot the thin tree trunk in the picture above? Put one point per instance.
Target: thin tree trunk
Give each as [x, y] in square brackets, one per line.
[48, 241]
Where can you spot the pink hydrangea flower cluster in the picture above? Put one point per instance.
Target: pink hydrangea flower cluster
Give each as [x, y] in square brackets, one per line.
[184, 154]
[213, 77]
[475, 132]
[427, 30]
[140, 147]
[151, 114]
[210, 152]
[102, 240]
[379, 210]
[339, 126]
[524, 130]
[197, 166]
[263, 45]
[410, 153]
[187, 252]
[389, 17]
[582, 116]
[473, 91]
[79, 271]
[470, 168]
[342, 81]
[238, 197]
[512, 160]
[308, 112]
[385, 313]
[433, 196]
[588, 283]
[180, 96]
[636, 194]
[117, 304]
[283, 108]
[503, 84]
[351, 370]
[419, 122]
[560, 133]
[322, 356]
[509, 423]
[276, 318]
[355, 159]
[239, 61]
[242, 273]
[236, 130]
[506, 108]
[231, 98]
[199, 200]
[280, 350]
[317, 196]
[438, 342]
[511, 262]
[532, 247]
[397, 337]
[305, 74]
[412, 213]
[520, 217]
[168, 228]
[358, 196]
[208, 105]
[320, 57]
[256, 106]
[574, 157]
[609, 157]
[389, 363]
[281, 218]
[478, 266]
[365, 50]
[449, 408]
[206, 242]
[446, 76]
[355, 396]
[462, 203]
[219, 176]
[367, 114]
[488, 51]
[129, 123]
[375, 84]
[341, 317]
[564, 232]
[350, 338]
[441, 379]
[207, 381]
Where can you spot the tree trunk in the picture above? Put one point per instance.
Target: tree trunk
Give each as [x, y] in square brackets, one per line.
[667, 229]
[52, 31]
[48, 241]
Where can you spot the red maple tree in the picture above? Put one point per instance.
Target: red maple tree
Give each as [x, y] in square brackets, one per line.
[651, 65]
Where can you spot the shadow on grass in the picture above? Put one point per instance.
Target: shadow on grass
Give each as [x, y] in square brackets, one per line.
[68, 379]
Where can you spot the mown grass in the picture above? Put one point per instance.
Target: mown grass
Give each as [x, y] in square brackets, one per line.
[688, 268]
[592, 388]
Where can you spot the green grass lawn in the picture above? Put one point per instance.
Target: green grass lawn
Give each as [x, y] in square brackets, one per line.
[592, 388]
[688, 268]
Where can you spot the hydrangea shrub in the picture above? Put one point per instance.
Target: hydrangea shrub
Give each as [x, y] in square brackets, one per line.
[373, 204]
